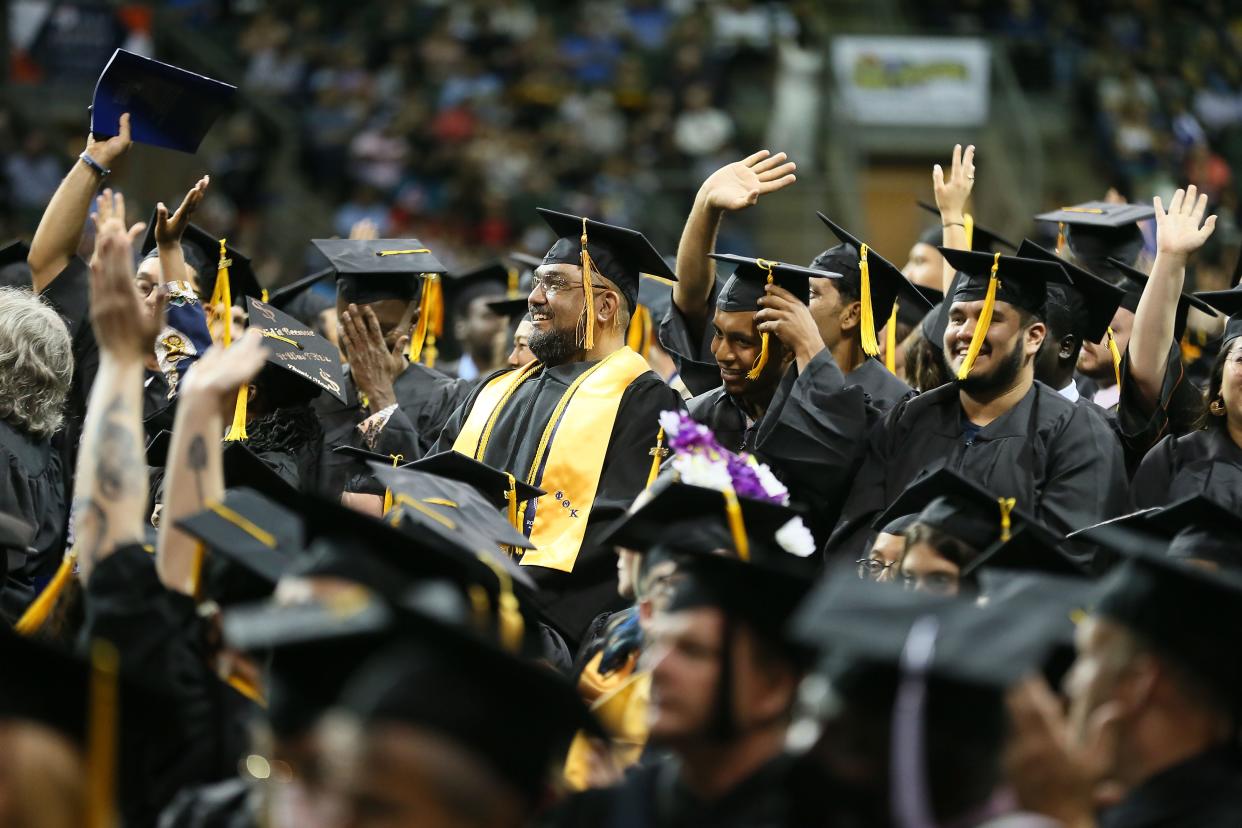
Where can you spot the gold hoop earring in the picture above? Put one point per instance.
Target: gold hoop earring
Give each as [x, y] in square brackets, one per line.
[1217, 408]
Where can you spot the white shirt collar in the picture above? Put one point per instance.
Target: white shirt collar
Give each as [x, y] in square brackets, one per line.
[1070, 392]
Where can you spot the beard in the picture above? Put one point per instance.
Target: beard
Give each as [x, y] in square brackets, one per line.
[554, 346]
[1000, 378]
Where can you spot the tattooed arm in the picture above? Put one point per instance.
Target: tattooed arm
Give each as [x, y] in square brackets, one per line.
[195, 469]
[110, 488]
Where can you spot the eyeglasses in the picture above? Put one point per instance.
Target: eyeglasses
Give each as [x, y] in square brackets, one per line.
[552, 285]
[872, 569]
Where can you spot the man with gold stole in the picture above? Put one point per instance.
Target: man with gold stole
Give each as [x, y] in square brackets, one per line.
[581, 421]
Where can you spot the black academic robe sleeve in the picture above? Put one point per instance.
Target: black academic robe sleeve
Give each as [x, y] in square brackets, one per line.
[1155, 475]
[32, 488]
[161, 639]
[428, 399]
[813, 436]
[692, 355]
[1177, 409]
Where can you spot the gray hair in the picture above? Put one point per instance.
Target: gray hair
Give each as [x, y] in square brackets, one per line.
[36, 362]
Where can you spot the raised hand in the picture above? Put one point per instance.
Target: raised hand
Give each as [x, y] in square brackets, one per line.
[364, 230]
[221, 371]
[739, 185]
[372, 365]
[170, 228]
[952, 195]
[109, 150]
[1178, 232]
[123, 326]
[109, 206]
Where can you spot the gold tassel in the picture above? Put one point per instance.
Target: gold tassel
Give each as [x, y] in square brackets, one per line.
[40, 609]
[480, 607]
[968, 224]
[890, 341]
[221, 295]
[396, 461]
[737, 527]
[761, 361]
[985, 321]
[427, 324]
[657, 454]
[1116, 352]
[870, 345]
[195, 586]
[1060, 238]
[512, 501]
[1006, 506]
[263, 296]
[588, 290]
[509, 613]
[102, 736]
[237, 431]
[515, 284]
[638, 337]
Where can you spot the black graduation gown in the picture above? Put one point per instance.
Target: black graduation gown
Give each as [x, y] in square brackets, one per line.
[161, 639]
[227, 804]
[654, 797]
[571, 599]
[883, 389]
[1057, 459]
[1176, 412]
[1202, 792]
[32, 488]
[428, 399]
[1204, 462]
[692, 355]
[717, 410]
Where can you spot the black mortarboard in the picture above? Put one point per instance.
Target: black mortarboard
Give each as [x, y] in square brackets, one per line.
[1228, 302]
[947, 501]
[1099, 231]
[1091, 301]
[465, 692]
[744, 288]
[253, 542]
[487, 480]
[1199, 528]
[883, 283]
[915, 302]
[490, 279]
[1135, 281]
[202, 253]
[241, 466]
[982, 240]
[619, 254]
[168, 106]
[526, 260]
[684, 518]
[369, 270]
[297, 348]
[656, 295]
[283, 297]
[1032, 547]
[1188, 612]
[14, 272]
[1021, 282]
[512, 308]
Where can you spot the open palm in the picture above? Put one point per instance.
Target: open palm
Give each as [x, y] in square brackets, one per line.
[1178, 230]
[738, 185]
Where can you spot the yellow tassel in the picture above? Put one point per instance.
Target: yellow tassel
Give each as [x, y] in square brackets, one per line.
[985, 321]
[263, 297]
[515, 284]
[102, 736]
[968, 224]
[512, 625]
[480, 607]
[657, 454]
[761, 361]
[237, 431]
[890, 341]
[195, 586]
[1060, 237]
[1006, 506]
[427, 323]
[870, 345]
[511, 500]
[396, 461]
[1116, 352]
[737, 527]
[638, 337]
[222, 297]
[40, 609]
[588, 291]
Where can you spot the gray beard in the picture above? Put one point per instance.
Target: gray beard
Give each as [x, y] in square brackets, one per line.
[554, 347]
[1000, 378]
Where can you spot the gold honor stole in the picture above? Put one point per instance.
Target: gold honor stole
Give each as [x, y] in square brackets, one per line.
[569, 466]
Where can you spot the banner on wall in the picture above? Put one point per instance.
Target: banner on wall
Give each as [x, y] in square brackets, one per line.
[913, 81]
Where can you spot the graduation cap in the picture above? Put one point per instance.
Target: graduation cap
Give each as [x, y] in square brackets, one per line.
[512, 308]
[879, 284]
[241, 466]
[1135, 282]
[464, 692]
[1092, 302]
[168, 106]
[947, 501]
[298, 348]
[655, 298]
[1188, 612]
[202, 253]
[915, 302]
[14, 272]
[1199, 529]
[1032, 547]
[491, 279]
[980, 238]
[492, 483]
[680, 517]
[253, 542]
[1020, 282]
[1099, 231]
[526, 260]
[1228, 302]
[298, 298]
[616, 253]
